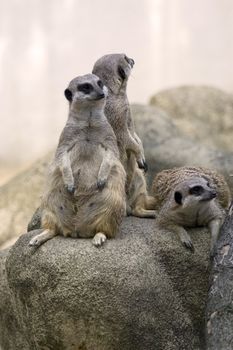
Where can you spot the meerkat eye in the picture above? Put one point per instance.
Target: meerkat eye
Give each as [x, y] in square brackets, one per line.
[196, 190]
[178, 197]
[101, 85]
[121, 72]
[85, 88]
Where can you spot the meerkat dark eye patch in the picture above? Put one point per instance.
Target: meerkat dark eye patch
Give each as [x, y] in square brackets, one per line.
[178, 197]
[68, 94]
[86, 88]
[196, 190]
[101, 85]
[121, 72]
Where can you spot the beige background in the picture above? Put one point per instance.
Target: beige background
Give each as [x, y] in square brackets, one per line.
[45, 43]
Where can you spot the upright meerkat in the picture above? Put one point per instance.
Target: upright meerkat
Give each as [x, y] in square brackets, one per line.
[114, 70]
[190, 197]
[85, 196]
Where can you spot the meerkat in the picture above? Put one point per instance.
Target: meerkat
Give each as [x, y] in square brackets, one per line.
[114, 70]
[86, 184]
[191, 197]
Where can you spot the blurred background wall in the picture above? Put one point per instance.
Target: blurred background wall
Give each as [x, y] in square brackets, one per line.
[45, 43]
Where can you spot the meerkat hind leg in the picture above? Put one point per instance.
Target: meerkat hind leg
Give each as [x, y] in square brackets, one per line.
[42, 238]
[99, 239]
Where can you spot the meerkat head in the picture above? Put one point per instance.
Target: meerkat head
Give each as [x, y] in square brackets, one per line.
[85, 90]
[193, 192]
[114, 70]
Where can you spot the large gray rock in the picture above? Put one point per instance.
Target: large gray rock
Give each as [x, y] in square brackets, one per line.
[165, 147]
[203, 113]
[142, 290]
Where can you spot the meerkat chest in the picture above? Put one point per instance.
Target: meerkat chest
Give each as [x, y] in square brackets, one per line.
[200, 215]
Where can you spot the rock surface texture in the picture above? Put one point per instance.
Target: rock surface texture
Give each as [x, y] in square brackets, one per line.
[219, 312]
[142, 290]
[203, 113]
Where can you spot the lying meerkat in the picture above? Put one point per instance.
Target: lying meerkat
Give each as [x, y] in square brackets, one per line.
[86, 185]
[114, 70]
[190, 197]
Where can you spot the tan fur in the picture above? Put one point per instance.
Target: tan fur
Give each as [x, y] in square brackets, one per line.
[85, 195]
[118, 113]
[193, 210]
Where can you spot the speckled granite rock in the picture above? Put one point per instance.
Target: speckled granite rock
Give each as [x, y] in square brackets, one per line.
[140, 291]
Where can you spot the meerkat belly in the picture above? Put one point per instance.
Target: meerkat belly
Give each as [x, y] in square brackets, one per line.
[85, 163]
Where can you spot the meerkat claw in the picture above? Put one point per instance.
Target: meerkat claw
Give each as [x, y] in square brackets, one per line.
[101, 184]
[145, 167]
[189, 245]
[34, 242]
[141, 164]
[70, 189]
[99, 239]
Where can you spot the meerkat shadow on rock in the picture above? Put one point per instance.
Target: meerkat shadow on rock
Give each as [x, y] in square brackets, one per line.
[191, 197]
[85, 194]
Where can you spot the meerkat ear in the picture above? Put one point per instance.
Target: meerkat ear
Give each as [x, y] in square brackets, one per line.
[178, 197]
[68, 94]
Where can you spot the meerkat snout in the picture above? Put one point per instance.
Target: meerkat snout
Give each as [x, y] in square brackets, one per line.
[130, 61]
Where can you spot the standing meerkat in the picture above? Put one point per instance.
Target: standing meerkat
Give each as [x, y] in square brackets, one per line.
[114, 70]
[85, 194]
[190, 197]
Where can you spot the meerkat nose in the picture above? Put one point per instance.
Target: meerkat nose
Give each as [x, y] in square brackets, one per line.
[100, 96]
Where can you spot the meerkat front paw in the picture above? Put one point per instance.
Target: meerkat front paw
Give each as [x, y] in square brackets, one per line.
[34, 242]
[187, 243]
[99, 239]
[70, 188]
[142, 165]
